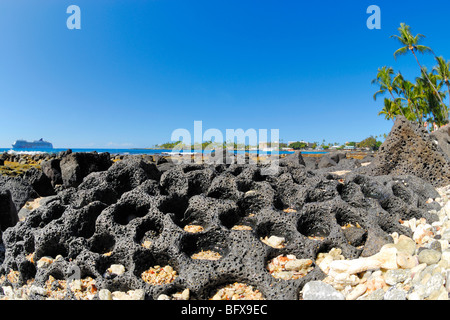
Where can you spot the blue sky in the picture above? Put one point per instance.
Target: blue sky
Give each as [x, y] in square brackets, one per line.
[137, 70]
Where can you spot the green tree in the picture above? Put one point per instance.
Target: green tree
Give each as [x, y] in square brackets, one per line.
[411, 44]
[431, 105]
[443, 73]
[386, 82]
[298, 145]
[169, 145]
[369, 142]
[389, 109]
[420, 101]
[410, 95]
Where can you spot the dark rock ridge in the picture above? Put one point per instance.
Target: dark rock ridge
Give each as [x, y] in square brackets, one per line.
[410, 149]
[442, 138]
[105, 211]
[8, 211]
[76, 166]
[20, 189]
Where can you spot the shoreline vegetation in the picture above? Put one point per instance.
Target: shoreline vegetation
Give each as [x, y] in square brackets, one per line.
[370, 143]
[421, 100]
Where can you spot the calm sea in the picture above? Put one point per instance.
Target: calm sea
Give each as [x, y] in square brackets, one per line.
[135, 151]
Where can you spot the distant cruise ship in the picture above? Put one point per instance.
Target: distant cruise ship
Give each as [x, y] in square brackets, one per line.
[40, 144]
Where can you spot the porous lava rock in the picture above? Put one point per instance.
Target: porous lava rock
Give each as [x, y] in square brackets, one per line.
[410, 150]
[21, 190]
[8, 211]
[442, 138]
[75, 166]
[134, 214]
[52, 169]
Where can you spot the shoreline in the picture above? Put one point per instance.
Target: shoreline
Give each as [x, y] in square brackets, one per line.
[346, 226]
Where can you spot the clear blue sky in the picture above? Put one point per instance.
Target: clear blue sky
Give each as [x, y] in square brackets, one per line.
[137, 70]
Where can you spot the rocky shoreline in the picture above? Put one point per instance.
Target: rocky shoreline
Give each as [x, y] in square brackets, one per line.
[99, 227]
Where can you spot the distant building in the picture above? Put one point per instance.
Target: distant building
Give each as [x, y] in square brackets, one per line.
[268, 145]
[349, 148]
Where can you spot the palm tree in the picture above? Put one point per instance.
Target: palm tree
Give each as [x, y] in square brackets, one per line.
[436, 110]
[411, 44]
[384, 80]
[429, 102]
[410, 95]
[389, 109]
[386, 83]
[443, 74]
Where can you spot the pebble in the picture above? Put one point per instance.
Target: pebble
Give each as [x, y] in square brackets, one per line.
[44, 262]
[392, 277]
[104, 294]
[138, 294]
[358, 291]
[394, 294]
[374, 295]
[416, 268]
[274, 241]
[115, 269]
[318, 290]
[429, 256]
[38, 290]
[406, 261]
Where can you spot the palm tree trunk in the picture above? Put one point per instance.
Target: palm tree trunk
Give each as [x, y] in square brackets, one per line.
[446, 110]
[399, 107]
[426, 75]
[418, 113]
[411, 109]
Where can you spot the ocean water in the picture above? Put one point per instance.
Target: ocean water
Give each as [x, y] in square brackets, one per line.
[136, 151]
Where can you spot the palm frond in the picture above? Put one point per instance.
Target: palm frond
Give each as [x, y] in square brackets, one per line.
[400, 52]
[423, 49]
[377, 94]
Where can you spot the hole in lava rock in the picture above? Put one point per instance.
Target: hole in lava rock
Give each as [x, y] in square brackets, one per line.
[198, 213]
[54, 211]
[400, 191]
[209, 242]
[230, 218]
[153, 268]
[126, 212]
[27, 269]
[175, 205]
[233, 289]
[352, 227]
[87, 217]
[314, 224]
[29, 244]
[179, 292]
[345, 217]
[267, 232]
[51, 248]
[107, 261]
[289, 267]
[122, 285]
[102, 243]
[148, 230]
[192, 223]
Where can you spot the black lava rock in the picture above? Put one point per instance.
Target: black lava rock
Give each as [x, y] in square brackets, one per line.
[136, 212]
